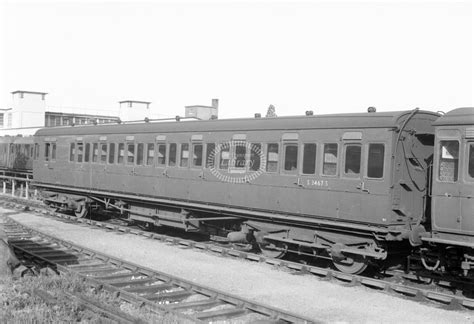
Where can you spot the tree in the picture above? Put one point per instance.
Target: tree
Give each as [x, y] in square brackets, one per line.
[271, 111]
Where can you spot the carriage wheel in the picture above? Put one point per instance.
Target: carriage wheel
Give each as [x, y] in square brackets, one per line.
[273, 250]
[353, 264]
[81, 211]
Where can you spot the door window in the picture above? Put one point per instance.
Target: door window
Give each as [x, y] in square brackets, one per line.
[291, 157]
[470, 167]
[309, 158]
[375, 161]
[448, 161]
[330, 159]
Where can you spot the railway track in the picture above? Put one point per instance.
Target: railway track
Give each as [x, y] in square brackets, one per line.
[398, 283]
[159, 292]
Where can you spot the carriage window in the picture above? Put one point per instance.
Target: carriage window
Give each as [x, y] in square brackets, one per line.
[53, 151]
[80, 151]
[184, 155]
[309, 159]
[87, 153]
[291, 157]
[239, 155]
[121, 153]
[255, 152]
[36, 151]
[197, 155]
[26, 149]
[172, 158]
[112, 153]
[162, 154]
[130, 153]
[72, 152]
[330, 159]
[375, 161]
[272, 157]
[224, 156]
[352, 163]
[470, 167]
[210, 155]
[46, 151]
[150, 153]
[140, 151]
[448, 161]
[95, 152]
[103, 153]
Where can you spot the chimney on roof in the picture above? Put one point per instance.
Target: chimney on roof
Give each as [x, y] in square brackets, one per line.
[215, 103]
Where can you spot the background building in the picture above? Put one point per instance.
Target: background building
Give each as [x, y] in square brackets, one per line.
[203, 112]
[29, 112]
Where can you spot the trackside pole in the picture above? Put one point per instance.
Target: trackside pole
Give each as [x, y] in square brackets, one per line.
[13, 188]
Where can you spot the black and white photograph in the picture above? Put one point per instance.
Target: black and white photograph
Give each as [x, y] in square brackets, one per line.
[237, 161]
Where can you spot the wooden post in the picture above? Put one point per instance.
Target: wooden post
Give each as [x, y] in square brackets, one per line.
[13, 188]
[27, 196]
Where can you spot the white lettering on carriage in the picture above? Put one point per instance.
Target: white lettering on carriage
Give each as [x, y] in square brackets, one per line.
[317, 183]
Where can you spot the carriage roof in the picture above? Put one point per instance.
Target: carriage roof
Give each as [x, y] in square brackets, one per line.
[336, 121]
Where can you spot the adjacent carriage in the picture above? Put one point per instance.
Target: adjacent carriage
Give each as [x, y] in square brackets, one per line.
[16, 153]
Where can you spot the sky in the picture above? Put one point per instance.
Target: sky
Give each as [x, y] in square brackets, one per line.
[325, 56]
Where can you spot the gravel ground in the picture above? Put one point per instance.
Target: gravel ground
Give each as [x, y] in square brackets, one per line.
[306, 295]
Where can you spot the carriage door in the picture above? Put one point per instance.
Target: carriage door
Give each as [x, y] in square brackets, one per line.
[467, 188]
[446, 195]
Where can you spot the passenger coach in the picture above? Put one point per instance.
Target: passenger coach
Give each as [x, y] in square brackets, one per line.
[343, 186]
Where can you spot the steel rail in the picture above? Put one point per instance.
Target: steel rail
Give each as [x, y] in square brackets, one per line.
[443, 298]
[160, 292]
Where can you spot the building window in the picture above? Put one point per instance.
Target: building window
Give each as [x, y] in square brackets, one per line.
[184, 155]
[448, 161]
[1, 120]
[352, 160]
[375, 161]
[197, 155]
[309, 158]
[330, 159]
[291, 157]
[272, 157]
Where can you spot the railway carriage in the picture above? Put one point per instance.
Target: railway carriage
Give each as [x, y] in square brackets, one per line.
[16, 153]
[349, 187]
[451, 230]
